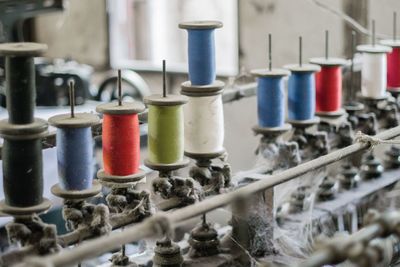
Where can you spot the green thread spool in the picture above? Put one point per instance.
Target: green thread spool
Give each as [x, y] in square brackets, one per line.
[165, 128]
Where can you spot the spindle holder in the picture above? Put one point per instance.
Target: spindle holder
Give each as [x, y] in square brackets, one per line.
[384, 109]
[329, 62]
[211, 177]
[22, 198]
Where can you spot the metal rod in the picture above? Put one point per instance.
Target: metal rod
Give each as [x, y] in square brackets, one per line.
[119, 88]
[72, 97]
[394, 26]
[269, 52]
[164, 79]
[300, 51]
[326, 44]
[353, 44]
[373, 32]
[146, 229]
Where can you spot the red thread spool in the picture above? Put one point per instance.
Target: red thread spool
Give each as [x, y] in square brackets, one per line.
[328, 89]
[121, 144]
[328, 84]
[393, 69]
[121, 138]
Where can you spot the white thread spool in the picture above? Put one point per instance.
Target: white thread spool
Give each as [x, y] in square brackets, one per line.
[373, 71]
[204, 118]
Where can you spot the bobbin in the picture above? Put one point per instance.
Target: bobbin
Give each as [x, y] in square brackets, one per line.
[22, 133]
[126, 108]
[273, 73]
[79, 120]
[216, 88]
[395, 45]
[201, 50]
[303, 68]
[76, 194]
[329, 62]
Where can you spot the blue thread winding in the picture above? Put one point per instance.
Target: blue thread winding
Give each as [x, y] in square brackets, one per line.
[201, 50]
[270, 98]
[74, 156]
[301, 96]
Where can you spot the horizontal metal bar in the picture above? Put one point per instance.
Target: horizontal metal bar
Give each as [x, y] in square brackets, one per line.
[145, 229]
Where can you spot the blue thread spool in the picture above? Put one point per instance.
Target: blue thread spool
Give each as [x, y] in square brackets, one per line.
[74, 150]
[270, 97]
[201, 50]
[301, 92]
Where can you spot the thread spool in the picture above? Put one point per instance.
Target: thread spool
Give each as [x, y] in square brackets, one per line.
[22, 133]
[121, 140]
[328, 86]
[373, 71]
[393, 65]
[301, 92]
[165, 132]
[204, 118]
[270, 97]
[201, 50]
[74, 150]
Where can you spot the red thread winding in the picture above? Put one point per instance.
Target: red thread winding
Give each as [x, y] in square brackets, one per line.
[329, 89]
[393, 68]
[121, 144]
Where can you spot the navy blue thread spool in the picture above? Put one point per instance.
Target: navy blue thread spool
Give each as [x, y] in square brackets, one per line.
[74, 149]
[201, 50]
[301, 90]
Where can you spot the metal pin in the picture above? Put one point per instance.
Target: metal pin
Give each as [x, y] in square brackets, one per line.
[394, 26]
[353, 44]
[373, 32]
[72, 97]
[270, 52]
[164, 79]
[326, 44]
[300, 51]
[204, 219]
[119, 88]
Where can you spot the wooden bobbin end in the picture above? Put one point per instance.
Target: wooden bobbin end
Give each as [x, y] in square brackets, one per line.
[200, 25]
[126, 108]
[353, 106]
[392, 43]
[22, 49]
[76, 194]
[169, 100]
[272, 130]
[304, 123]
[24, 211]
[167, 167]
[331, 114]
[270, 73]
[374, 99]
[216, 88]
[80, 120]
[34, 130]
[303, 67]
[212, 155]
[329, 62]
[374, 49]
[106, 178]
